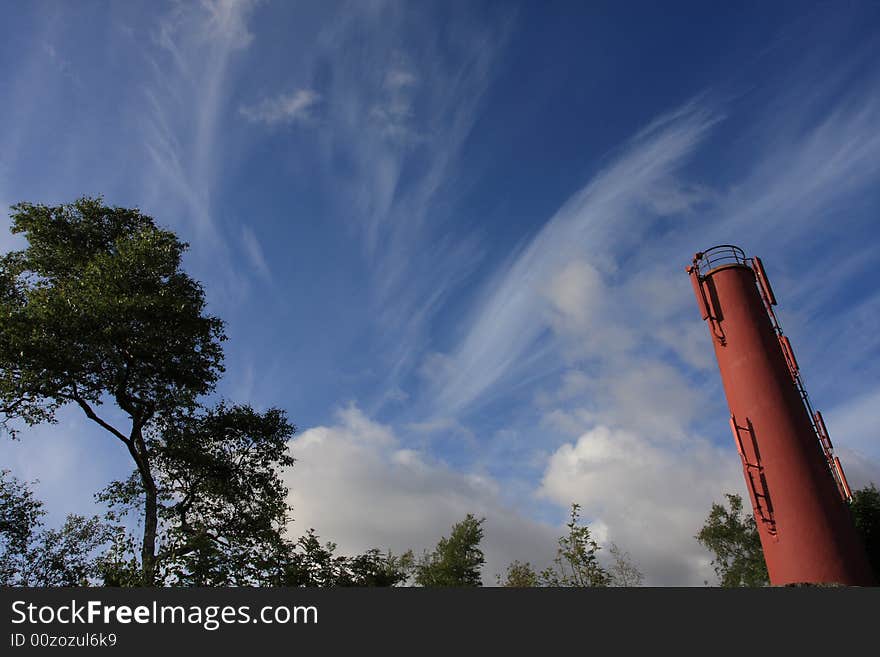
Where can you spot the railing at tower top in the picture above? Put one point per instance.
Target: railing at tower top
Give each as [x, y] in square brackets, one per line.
[717, 256]
[725, 255]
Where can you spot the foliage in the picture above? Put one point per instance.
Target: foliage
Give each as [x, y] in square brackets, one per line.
[222, 503]
[519, 575]
[119, 565]
[732, 537]
[739, 558]
[375, 568]
[20, 517]
[457, 560]
[30, 556]
[97, 307]
[623, 571]
[224, 506]
[67, 556]
[312, 564]
[576, 562]
[87, 551]
[865, 508]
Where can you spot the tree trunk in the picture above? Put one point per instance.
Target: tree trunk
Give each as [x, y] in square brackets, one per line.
[151, 521]
[138, 449]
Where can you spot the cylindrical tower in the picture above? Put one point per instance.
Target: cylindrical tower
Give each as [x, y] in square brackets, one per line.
[796, 484]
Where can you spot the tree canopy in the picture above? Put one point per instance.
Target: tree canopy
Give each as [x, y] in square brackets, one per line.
[865, 507]
[308, 562]
[732, 536]
[222, 504]
[576, 563]
[97, 308]
[97, 305]
[32, 556]
[457, 560]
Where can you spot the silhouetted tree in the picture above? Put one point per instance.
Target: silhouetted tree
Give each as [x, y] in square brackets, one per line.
[457, 560]
[313, 564]
[865, 507]
[222, 503]
[32, 556]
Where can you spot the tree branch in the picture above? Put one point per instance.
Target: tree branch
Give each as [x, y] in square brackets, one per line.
[90, 413]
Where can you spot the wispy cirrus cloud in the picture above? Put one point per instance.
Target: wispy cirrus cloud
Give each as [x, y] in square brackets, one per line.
[565, 298]
[295, 107]
[538, 288]
[63, 65]
[254, 252]
[187, 90]
[598, 307]
[397, 105]
[394, 113]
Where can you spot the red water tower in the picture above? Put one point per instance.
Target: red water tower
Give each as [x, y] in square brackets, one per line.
[798, 490]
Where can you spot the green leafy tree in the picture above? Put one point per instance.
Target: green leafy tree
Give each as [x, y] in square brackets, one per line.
[865, 507]
[69, 556]
[224, 505]
[519, 575]
[97, 309]
[456, 560]
[312, 564]
[222, 502]
[309, 563]
[20, 518]
[576, 562]
[119, 564]
[31, 556]
[732, 536]
[376, 568]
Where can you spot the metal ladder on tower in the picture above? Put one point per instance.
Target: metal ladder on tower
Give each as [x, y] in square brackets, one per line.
[818, 423]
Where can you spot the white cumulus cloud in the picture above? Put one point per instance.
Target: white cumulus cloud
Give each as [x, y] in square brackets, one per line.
[649, 496]
[357, 485]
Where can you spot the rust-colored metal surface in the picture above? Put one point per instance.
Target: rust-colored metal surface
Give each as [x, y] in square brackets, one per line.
[797, 486]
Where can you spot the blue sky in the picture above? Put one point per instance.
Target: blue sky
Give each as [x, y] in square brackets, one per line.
[449, 239]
